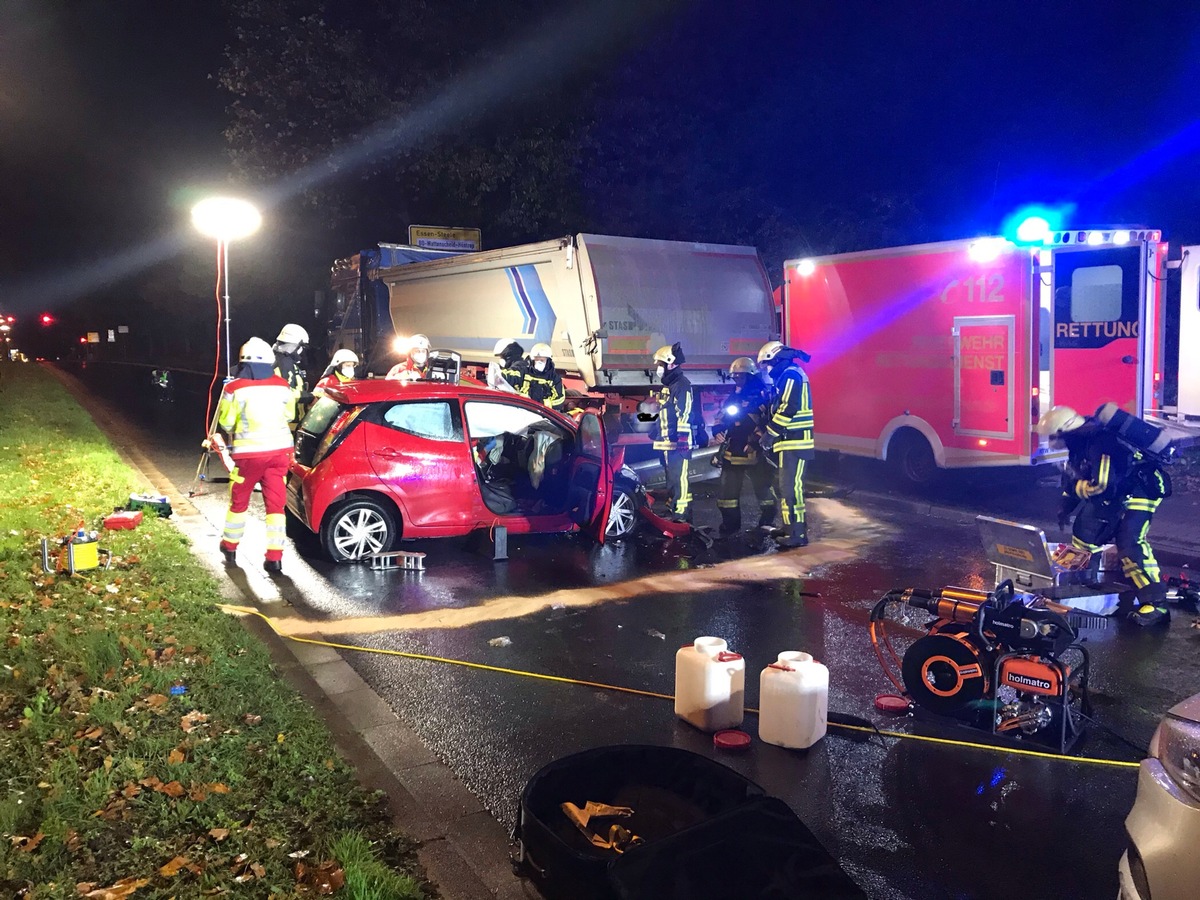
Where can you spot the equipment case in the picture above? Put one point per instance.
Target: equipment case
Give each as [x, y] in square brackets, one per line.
[706, 831]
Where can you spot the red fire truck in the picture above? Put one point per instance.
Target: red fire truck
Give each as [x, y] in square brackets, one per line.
[944, 355]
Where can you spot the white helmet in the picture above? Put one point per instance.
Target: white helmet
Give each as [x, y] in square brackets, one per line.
[501, 345]
[540, 351]
[418, 342]
[743, 365]
[769, 351]
[665, 355]
[292, 334]
[344, 356]
[1059, 420]
[256, 350]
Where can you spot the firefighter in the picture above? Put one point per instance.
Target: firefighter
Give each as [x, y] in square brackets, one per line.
[510, 373]
[415, 365]
[340, 370]
[289, 350]
[542, 381]
[745, 412]
[788, 435]
[1113, 491]
[256, 410]
[672, 432]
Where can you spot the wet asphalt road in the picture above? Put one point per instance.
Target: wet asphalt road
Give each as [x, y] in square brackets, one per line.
[905, 819]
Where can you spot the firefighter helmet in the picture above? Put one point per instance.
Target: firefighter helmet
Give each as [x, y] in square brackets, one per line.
[256, 350]
[770, 351]
[540, 351]
[292, 334]
[344, 356]
[418, 342]
[1059, 420]
[501, 346]
[743, 365]
[665, 355]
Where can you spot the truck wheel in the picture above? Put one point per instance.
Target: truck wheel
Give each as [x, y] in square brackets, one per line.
[356, 528]
[623, 518]
[913, 457]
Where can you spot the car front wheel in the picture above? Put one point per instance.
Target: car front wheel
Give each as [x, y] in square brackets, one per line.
[623, 516]
[357, 528]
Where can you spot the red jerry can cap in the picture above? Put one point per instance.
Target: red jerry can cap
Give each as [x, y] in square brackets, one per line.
[891, 703]
[731, 739]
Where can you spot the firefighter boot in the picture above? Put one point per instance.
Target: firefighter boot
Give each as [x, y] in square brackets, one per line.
[797, 536]
[766, 517]
[273, 566]
[1148, 615]
[731, 521]
[229, 552]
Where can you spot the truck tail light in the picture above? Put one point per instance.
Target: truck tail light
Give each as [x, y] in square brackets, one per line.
[1035, 406]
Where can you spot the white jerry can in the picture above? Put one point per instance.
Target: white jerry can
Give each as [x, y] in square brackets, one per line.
[710, 685]
[793, 701]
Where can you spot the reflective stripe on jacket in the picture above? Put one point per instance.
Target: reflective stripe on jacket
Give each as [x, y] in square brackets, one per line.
[674, 425]
[257, 415]
[791, 420]
[544, 387]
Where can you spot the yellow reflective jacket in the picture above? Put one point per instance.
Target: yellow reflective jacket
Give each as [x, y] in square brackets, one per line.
[791, 421]
[257, 414]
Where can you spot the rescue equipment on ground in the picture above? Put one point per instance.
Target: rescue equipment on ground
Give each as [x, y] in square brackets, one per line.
[999, 661]
[1140, 435]
[155, 503]
[793, 704]
[710, 685]
[408, 560]
[123, 520]
[76, 552]
[615, 836]
[705, 831]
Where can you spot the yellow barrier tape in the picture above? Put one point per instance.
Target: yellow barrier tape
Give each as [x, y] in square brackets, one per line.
[657, 696]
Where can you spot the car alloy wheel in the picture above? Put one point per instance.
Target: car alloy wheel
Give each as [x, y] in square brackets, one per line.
[358, 528]
[622, 517]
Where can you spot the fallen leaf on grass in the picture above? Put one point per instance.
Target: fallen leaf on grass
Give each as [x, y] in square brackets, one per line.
[119, 891]
[175, 757]
[114, 809]
[192, 721]
[172, 789]
[73, 841]
[218, 787]
[27, 844]
[299, 854]
[327, 878]
[173, 868]
[251, 719]
[197, 793]
[218, 834]
[130, 791]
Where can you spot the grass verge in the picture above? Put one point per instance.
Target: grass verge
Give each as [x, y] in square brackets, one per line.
[147, 748]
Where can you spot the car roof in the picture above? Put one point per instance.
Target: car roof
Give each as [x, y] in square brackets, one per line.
[376, 390]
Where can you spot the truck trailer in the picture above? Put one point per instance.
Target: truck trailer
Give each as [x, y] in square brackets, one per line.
[944, 355]
[604, 304]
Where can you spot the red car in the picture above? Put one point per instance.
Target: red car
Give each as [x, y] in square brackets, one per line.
[380, 460]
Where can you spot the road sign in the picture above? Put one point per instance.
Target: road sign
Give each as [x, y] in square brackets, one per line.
[93, 337]
[432, 237]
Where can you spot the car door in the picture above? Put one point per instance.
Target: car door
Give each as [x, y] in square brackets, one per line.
[417, 451]
[590, 491]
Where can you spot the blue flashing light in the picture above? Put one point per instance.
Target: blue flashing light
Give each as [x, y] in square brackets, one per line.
[1035, 223]
[1034, 230]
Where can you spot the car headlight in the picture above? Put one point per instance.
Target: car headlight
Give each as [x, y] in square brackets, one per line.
[1176, 744]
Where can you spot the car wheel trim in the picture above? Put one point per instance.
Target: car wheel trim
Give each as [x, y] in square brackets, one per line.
[360, 533]
[620, 516]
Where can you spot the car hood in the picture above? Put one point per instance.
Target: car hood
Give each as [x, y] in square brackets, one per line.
[1188, 710]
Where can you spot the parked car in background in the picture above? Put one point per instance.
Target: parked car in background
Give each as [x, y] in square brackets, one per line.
[381, 460]
[1162, 861]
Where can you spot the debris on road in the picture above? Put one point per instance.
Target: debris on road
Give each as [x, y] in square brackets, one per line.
[502, 641]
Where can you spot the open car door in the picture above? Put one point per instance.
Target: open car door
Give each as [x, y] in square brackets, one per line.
[589, 497]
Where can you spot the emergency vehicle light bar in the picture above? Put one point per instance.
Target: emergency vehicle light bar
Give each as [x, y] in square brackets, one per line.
[1097, 237]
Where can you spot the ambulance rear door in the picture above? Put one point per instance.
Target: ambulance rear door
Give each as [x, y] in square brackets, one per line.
[1098, 295]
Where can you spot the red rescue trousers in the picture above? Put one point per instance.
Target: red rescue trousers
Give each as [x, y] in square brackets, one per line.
[269, 470]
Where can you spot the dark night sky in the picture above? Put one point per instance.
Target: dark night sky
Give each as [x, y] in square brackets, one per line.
[110, 121]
